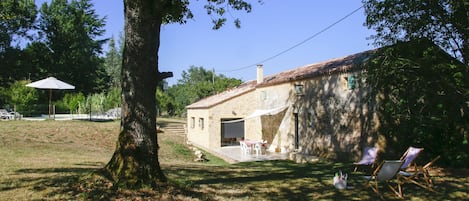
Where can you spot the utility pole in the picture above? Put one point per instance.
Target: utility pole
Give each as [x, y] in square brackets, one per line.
[213, 77]
[213, 81]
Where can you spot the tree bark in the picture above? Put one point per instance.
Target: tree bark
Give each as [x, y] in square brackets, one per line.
[135, 160]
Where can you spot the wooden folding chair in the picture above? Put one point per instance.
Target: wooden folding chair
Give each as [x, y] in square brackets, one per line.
[384, 173]
[420, 176]
[369, 156]
[409, 157]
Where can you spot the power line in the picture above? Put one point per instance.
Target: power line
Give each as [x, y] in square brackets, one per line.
[298, 44]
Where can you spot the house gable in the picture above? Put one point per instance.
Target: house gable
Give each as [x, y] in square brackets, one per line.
[224, 96]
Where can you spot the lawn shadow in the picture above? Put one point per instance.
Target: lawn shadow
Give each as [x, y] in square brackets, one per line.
[55, 182]
[286, 180]
[268, 180]
[98, 120]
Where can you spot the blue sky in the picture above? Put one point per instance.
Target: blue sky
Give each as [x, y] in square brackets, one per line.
[268, 30]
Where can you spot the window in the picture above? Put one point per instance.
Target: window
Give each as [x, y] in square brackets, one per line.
[201, 123]
[192, 122]
[299, 89]
[351, 82]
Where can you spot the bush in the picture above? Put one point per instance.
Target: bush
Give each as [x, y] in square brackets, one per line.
[113, 99]
[100, 102]
[72, 101]
[19, 96]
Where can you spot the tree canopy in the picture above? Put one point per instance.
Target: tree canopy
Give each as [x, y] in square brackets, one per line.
[17, 17]
[69, 31]
[422, 97]
[445, 22]
[195, 83]
[63, 42]
[422, 93]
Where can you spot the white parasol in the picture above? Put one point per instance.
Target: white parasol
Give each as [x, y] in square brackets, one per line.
[50, 83]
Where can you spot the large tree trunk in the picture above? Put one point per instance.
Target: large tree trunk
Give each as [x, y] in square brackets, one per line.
[135, 160]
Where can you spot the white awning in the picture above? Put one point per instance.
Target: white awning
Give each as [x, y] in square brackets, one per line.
[273, 111]
[258, 113]
[232, 121]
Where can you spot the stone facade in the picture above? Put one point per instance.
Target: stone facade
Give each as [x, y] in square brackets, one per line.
[328, 117]
[209, 136]
[333, 116]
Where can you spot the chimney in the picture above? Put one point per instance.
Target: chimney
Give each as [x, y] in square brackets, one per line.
[260, 74]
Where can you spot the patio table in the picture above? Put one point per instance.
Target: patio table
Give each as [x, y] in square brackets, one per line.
[256, 145]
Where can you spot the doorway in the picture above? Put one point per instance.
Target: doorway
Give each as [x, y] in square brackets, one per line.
[232, 131]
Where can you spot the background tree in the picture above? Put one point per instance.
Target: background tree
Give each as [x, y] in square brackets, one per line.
[113, 64]
[197, 83]
[164, 102]
[445, 22]
[69, 30]
[135, 160]
[422, 96]
[17, 17]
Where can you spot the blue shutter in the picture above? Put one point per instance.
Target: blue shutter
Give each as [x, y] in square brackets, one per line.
[351, 82]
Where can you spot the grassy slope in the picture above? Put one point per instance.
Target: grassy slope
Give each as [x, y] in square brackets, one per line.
[39, 158]
[49, 159]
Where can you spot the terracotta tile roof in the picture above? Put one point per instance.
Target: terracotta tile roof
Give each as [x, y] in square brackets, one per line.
[342, 64]
[305, 72]
[224, 96]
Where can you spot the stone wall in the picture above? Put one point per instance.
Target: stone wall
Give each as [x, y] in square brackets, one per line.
[335, 118]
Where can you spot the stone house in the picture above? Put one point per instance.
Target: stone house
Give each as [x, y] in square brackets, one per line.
[317, 109]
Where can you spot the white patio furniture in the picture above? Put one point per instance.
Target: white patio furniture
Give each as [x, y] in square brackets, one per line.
[4, 114]
[245, 149]
[258, 148]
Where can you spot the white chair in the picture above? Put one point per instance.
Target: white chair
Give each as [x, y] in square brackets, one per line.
[245, 149]
[258, 148]
[241, 146]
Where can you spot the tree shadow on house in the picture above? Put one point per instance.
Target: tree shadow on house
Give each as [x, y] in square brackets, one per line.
[335, 117]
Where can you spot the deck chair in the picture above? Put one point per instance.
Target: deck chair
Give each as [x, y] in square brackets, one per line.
[420, 176]
[370, 154]
[384, 173]
[409, 157]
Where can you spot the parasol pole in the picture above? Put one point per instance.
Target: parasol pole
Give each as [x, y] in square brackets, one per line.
[50, 100]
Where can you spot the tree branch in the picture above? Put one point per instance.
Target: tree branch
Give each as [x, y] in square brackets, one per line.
[164, 75]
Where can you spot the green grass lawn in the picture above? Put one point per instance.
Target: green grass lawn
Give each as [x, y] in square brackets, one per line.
[54, 160]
